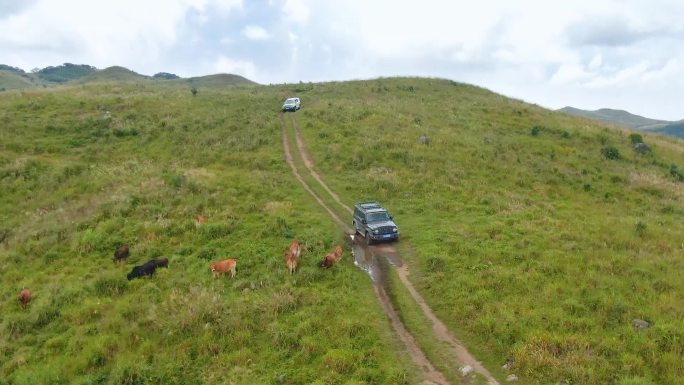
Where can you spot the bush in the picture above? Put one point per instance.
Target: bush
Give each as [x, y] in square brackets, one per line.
[536, 130]
[676, 173]
[636, 138]
[610, 152]
[640, 228]
[176, 180]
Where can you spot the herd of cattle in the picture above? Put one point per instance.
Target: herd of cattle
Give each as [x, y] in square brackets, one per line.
[217, 268]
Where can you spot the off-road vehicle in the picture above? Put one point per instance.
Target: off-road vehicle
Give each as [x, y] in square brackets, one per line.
[374, 222]
[292, 104]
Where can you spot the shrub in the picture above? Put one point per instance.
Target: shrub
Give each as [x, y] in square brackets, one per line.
[640, 228]
[176, 180]
[536, 130]
[636, 138]
[676, 173]
[610, 152]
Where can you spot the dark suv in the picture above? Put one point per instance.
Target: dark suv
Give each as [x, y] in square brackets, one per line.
[373, 222]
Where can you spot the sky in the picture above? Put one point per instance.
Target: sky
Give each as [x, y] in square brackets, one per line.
[590, 54]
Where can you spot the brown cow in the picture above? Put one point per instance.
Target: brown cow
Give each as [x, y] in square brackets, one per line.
[24, 297]
[199, 220]
[291, 260]
[121, 253]
[332, 258]
[223, 267]
[338, 253]
[295, 248]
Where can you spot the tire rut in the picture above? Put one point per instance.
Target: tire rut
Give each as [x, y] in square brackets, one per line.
[366, 257]
[417, 356]
[308, 162]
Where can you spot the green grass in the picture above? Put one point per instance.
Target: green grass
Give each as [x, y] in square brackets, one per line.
[533, 248]
[11, 80]
[85, 169]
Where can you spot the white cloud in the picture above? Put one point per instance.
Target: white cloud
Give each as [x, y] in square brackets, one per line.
[550, 53]
[125, 32]
[596, 61]
[224, 64]
[226, 40]
[295, 11]
[570, 74]
[255, 32]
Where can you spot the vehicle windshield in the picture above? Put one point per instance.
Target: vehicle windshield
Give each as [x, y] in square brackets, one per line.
[378, 217]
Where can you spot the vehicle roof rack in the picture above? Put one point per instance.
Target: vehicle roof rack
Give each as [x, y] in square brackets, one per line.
[369, 205]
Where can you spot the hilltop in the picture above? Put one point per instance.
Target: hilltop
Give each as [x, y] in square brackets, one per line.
[542, 240]
[15, 78]
[113, 74]
[626, 119]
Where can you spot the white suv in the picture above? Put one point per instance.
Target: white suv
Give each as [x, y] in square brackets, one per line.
[292, 104]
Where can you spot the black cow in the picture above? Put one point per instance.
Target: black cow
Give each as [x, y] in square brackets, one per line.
[162, 262]
[147, 269]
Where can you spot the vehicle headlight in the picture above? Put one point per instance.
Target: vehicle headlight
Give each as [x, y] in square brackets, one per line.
[376, 231]
[396, 229]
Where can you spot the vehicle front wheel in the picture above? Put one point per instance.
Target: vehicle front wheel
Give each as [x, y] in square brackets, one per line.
[369, 240]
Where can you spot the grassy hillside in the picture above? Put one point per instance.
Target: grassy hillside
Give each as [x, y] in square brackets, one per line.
[672, 129]
[11, 80]
[214, 81]
[113, 74]
[530, 243]
[14, 78]
[77, 182]
[536, 236]
[619, 117]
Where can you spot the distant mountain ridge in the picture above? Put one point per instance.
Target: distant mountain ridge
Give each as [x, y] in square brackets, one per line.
[68, 73]
[629, 120]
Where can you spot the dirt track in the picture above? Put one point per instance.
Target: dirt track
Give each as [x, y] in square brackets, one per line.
[368, 258]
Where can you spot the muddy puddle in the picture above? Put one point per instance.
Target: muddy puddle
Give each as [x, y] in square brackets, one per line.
[374, 260]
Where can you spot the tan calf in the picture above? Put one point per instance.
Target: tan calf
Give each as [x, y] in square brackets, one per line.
[223, 267]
